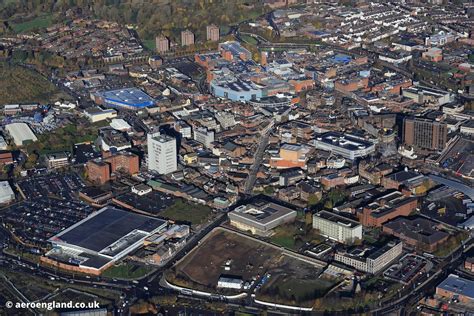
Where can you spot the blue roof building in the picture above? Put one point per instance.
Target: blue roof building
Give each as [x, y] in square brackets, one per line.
[129, 98]
[456, 287]
[342, 59]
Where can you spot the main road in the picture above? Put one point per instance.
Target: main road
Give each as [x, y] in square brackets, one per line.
[412, 296]
[258, 158]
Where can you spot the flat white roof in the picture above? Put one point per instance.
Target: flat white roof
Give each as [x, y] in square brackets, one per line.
[20, 132]
[5, 191]
[120, 124]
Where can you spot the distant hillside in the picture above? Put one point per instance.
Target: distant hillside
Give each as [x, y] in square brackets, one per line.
[22, 85]
[151, 16]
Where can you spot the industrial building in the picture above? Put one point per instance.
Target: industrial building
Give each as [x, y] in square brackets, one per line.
[127, 98]
[456, 287]
[232, 50]
[6, 193]
[96, 114]
[370, 259]
[418, 232]
[102, 238]
[336, 227]
[120, 125]
[230, 282]
[346, 145]
[235, 89]
[162, 153]
[3, 143]
[261, 218]
[424, 95]
[20, 133]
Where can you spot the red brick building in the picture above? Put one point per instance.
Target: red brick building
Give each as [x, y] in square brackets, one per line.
[386, 208]
[418, 232]
[101, 171]
[6, 157]
[351, 85]
[469, 264]
[98, 171]
[125, 162]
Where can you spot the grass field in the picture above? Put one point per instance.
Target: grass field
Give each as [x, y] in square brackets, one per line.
[127, 271]
[21, 85]
[184, 211]
[300, 291]
[224, 29]
[284, 240]
[37, 23]
[293, 236]
[249, 39]
[150, 44]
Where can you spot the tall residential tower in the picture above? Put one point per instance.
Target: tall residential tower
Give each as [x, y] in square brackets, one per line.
[162, 153]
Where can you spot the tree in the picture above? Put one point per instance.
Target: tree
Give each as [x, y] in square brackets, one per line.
[164, 299]
[308, 218]
[313, 199]
[268, 190]
[31, 161]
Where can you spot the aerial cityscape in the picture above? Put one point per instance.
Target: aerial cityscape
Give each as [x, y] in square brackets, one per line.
[236, 157]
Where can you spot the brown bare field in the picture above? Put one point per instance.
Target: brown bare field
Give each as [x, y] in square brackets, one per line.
[281, 278]
[203, 267]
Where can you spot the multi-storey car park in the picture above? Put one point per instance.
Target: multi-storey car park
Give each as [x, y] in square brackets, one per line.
[346, 145]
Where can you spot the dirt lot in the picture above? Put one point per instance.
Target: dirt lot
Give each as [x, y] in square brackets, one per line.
[279, 277]
[204, 266]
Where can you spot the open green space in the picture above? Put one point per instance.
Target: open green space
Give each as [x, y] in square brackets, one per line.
[284, 240]
[299, 290]
[453, 242]
[150, 44]
[182, 210]
[151, 17]
[37, 23]
[293, 236]
[249, 39]
[127, 270]
[224, 30]
[22, 85]
[62, 139]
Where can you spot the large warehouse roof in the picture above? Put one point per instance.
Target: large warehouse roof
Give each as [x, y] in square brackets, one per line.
[131, 97]
[102, 231]
[20, 132]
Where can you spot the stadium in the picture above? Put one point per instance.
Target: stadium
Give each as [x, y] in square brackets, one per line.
[130, 98]
[96, 242]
